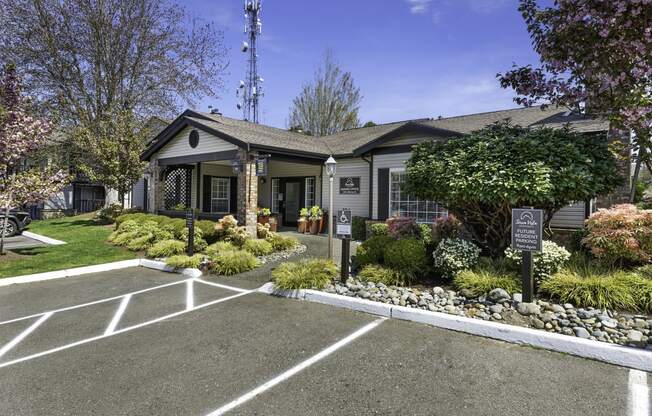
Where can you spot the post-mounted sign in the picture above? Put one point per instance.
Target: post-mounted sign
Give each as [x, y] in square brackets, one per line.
[527, 229]
[190, 224]
[343, 223]
[350, 185]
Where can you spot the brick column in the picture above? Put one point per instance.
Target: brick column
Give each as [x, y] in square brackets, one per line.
[247, 192]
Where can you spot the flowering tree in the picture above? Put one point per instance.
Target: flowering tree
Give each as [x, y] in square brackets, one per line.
[594, 53]
[21, 135]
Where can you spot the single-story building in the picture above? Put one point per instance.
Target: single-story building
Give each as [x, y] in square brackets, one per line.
[221, 165]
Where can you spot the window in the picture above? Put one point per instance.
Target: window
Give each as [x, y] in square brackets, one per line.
[275, 191]
[310, 192]
[220, 191]
[403, 205]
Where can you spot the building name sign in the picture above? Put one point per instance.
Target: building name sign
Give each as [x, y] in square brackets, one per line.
[350, 185]
[527, 229]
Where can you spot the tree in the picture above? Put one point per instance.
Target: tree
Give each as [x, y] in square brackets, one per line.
[21, 135]
[84, 58]
[369, 124]
[112, 151]
[594, 54]
[330, 104]
[480, 177]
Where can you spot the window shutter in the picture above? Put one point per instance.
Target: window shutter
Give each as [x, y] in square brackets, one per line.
[206, 194]
[383, 193]
[233, 203]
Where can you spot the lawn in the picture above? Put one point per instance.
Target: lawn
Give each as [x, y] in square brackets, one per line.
[86, 245]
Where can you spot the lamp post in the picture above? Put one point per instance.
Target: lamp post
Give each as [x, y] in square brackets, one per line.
[331, 166]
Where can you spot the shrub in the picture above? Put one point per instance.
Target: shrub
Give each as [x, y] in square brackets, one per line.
[199, 244]
[280, 242]
[208, 230]
[258, 247]
[622, 234]
[408, 256]
[232, 262]
[315, 213]
[446, 227]
[453, 255]
[379, 228]
[358, 228]
[480, 282]
[137, 236]
[224, 224]
[183, 261]
[645, 271]
[305, 274]
[576, 238]
[219, 247]
[372, 250]
[262, 230]
[403, 227]
[380, 274]
[425, 234]
[546, 262]
[108, 215]
[166, 248]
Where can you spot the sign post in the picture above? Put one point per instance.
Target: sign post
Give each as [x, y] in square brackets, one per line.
[343, 231]
[190, 223]
[527, 236]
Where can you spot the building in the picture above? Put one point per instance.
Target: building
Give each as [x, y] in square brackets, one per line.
[208, 162]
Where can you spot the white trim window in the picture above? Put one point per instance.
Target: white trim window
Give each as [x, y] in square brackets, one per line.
[276, 188]
[220, 192]
[404, 205]
[309, 192]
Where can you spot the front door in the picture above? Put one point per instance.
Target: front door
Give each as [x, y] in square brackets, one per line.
[291, 202]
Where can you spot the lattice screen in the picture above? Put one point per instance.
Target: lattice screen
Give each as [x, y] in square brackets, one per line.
[178, 186]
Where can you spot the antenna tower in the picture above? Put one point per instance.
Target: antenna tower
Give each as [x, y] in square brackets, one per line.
[250, 90]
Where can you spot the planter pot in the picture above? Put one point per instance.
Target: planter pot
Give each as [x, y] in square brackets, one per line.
[314, 227]
[323, 222]
[301, 226]
[273, 224]
[263, 219]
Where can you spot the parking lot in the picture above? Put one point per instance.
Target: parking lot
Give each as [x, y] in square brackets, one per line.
[142, 342]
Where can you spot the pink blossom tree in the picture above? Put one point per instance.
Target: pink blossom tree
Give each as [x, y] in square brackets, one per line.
[21, 135]
[596, 55]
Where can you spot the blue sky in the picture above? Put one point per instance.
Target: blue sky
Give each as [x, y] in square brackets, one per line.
[410, 58]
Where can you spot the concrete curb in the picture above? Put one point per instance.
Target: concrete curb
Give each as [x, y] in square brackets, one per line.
[159, 265]
[270, 289]
[43, 239]
[613, 354]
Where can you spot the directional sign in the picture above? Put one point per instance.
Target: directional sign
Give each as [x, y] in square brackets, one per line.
[527, 229]
[343, 222]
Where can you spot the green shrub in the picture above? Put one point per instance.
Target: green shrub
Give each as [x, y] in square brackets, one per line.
[380, 274]
[258, 247]
[137, 217]
[166, 248]
[216, 248]
[280, 242]
[199, 244]
[305, 274]
[232, 262]
[408, 256]
[183, 261]
[425, 233]
[138, 236]
[576, 238]
[372, 251]
[546, 262]
[453, 255]
[379, 228]
[358, 228]
[645, 271]
[262, 230]
[208, 230]
[482, 281]
[108, 215]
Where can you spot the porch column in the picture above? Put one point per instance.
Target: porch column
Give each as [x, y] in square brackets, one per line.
[247, 192]
[156, 188]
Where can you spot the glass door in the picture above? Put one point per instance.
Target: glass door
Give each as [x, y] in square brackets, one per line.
[292, 201]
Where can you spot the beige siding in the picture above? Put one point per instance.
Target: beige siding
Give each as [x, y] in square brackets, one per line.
[392, 161]
[571, 216]
[359, 204]
[137, 194]
[179, 145]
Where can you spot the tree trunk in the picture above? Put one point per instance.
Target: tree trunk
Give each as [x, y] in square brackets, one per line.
[121, 198]
[5, 221]
[637, 171]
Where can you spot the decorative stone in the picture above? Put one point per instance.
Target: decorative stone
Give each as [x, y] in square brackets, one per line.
[496, 309]
[537, 323]
[525, 308]
[498, 295]
[581, 332]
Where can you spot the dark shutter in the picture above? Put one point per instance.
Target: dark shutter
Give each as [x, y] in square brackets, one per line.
[206, 194]
[145, 186]
[383, 193]
[233, 203]
[302, 193]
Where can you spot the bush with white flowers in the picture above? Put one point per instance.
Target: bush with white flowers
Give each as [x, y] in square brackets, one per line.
[546, 262]
[453, 255]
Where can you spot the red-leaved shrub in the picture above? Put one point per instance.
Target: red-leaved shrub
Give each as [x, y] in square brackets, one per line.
[621, 234]
[446, 227]
[403, 227]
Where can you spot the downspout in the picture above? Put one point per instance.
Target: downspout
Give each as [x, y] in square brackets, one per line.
[370, 161]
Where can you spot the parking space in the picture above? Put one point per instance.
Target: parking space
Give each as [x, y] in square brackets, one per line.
[137, 341]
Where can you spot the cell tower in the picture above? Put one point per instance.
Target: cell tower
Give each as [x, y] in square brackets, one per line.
[250, 90]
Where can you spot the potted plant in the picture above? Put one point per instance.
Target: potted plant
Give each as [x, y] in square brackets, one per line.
[316, 218]
[302, 222]
[263, 215]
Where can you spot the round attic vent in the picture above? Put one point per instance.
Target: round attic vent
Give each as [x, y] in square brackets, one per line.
[193, 139]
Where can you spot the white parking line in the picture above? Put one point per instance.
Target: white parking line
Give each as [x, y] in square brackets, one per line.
[116, 318]
[119, 331]
[639, 393]
[23, 334]
[235, 289]
[190, 294]
[294, 370]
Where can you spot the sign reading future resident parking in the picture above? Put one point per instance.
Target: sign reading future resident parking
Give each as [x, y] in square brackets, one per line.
[527, 229]
[350, 185]
[343, 222]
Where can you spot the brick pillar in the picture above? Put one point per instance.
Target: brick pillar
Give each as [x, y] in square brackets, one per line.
[621, 194]
[247, 192]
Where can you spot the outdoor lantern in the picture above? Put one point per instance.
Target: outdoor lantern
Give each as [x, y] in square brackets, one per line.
[237, 166]
[331, 166]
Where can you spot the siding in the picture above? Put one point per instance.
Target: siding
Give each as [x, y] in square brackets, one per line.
[278, 169]
[571, 216]
[359, 204]
[208, 169]
[207, 144]
[137, 194]
[60, 200]
[392, 161]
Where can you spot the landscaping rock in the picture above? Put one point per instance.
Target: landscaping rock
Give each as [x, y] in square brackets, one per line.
[496, 309]
[525, 308]
[498, 296]
[581, 332]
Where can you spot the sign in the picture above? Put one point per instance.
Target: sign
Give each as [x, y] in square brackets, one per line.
[350, 185]
[261, 166]
[343, 222]
[527, 229]
[190, 223]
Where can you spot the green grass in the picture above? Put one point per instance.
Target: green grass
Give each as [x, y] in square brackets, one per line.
[86, 245]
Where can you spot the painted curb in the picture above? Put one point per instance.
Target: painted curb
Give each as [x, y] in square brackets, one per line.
[159, 265]
[613, 354]
[270, 289]
[43, 239]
